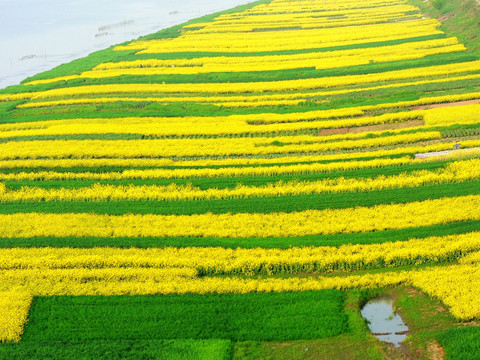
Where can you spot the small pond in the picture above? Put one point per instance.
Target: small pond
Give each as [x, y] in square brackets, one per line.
[383, 322]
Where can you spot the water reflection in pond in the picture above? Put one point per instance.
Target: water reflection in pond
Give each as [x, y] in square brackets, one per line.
[383, 322]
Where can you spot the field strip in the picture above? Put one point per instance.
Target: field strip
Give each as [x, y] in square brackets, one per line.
[454, 172]
[310, 222]
[433, 281]
[189, 262]
[325, 82]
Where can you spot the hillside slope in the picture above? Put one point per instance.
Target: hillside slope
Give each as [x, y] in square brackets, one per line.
[303, 154]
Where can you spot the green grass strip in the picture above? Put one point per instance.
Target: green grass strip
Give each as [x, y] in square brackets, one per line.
[119, 349]
[145, 109]
[249, 205]
[108, 55]
[461, 343]
[220, 183]
[254, 316]
[447, 131]
[249, 243]
[271, 75]
[194, 55]
[104, 169]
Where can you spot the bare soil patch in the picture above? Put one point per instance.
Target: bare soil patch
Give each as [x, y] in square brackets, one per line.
[435, 350]
[371, 128]
[470, 323]
[392, 126]
[333, 131]
[446, 16]
[412, 292]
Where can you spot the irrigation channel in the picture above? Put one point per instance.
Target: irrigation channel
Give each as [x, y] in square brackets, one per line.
[383, 322]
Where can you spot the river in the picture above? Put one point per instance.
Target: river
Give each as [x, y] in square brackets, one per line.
[38, 35]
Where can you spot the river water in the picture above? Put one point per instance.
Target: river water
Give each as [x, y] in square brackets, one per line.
[38, 35]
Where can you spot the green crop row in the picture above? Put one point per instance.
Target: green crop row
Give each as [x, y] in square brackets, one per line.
[461, 343]
[255, 316]
[120, 349]
[253, 76]
[394, 169]
[376, 237]
[250, 205]
[214, 182]
[149, 109]
[447, 132]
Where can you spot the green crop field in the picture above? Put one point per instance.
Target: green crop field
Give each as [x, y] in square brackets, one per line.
[239, 186]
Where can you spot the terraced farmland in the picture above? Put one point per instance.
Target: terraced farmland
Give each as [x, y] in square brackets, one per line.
[238, 186]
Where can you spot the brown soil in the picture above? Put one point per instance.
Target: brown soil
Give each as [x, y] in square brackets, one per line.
[435, 350]
[370, 128]
[441, 308]
[412, 292]
[333, 131]
[393, 126]
[446, 17]
[470, 323]
[435, 106]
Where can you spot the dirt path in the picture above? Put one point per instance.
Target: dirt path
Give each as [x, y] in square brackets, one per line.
[470, 323]
[436, 106]
[445, 153]
[370, 128]
[435, 350]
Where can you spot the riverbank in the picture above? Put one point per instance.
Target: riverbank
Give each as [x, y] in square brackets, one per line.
[80, 28]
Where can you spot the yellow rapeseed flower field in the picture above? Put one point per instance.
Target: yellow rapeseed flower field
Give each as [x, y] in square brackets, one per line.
[284, 146]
